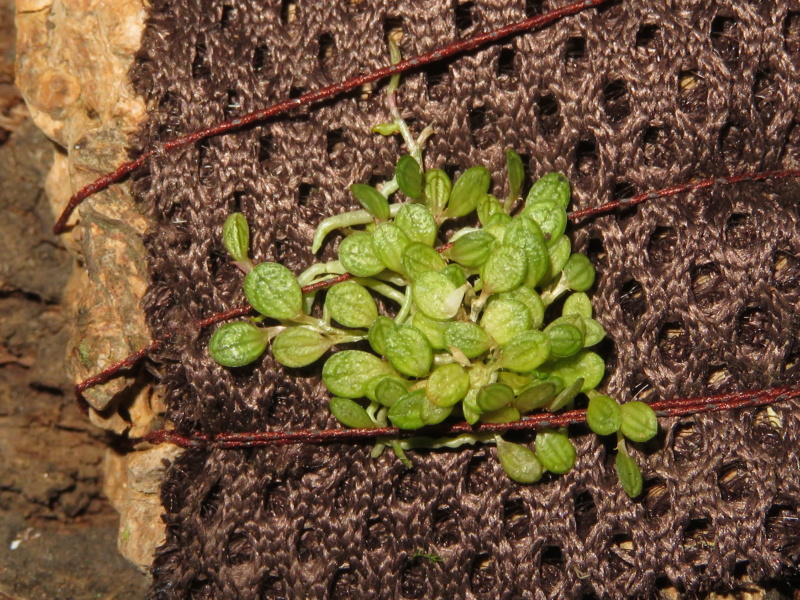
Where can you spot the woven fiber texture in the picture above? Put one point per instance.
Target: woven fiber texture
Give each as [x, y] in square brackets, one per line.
[699, 293]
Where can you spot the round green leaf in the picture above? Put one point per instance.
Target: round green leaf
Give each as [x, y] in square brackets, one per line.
[555, 451]
[299, 346]
[629, 474]
[577, 304]
[377, 334]
[390, 242]
[467, 337]
[455, 274]
[437, 190]
[524, 234]
[347, 372]
[419, 258]
[389, 390]
[237, 344]
[447, 385]
[566, 395]
[409, 177]
[488, 206]
[603, 415]
[372, 200]
[436, 296]
[236, 237]
[553, 187]
[351, 304]
[350, 414]
[506, 414]
[472, 249]
[535, 396]
[565, 339]
[357, 255]
[433, 414]
[579, 273]
[551, 217]
[433, 329]
[639, 422]
[273, 291]
[505, 318]
[532, 301]
[406, 413]
[585, 364]
[417, 223]
[408, 351]
[594, 332]
[525, 352]
[468, 189]
[504, 270]
[557, 256]
[494, 396]
[519, 462]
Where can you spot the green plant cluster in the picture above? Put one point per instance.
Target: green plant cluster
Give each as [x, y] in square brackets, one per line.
[473, 336]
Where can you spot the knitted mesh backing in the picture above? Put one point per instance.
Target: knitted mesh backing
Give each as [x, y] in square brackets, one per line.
[699, 293]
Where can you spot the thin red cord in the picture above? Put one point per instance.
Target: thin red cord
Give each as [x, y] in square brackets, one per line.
[325, 93]
[663, 408]
[132, 359]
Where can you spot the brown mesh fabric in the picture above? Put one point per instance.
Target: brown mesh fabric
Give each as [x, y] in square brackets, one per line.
[699, 293]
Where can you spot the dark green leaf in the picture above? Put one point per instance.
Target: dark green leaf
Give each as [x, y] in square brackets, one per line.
[472, 249]
[372, 200]
[236, 237]
[406, 413]
[409, 177]
[419, 259]
[527, 236]
[437, 190]
[494, 396]
[566, 395]
[525, 352]
[551, 217]
[535, 396]
[436, 296]
[519, 462]
[555, 451]
[505, 318]
[467, 337]
[553, 187]
[603, 415]
[504, 270]
[516, 174]
[447, 385]
[350, 414]
[377, 334]
[468, 189]
[417, 223]
[390, 242]
[629, 474]
[579, 272]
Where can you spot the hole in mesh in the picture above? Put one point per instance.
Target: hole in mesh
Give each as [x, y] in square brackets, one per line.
[413, 579]
[586, 159]
[228, 15]
[233, 103]
[719, 378]
[782, 525]
[276, 499]
[615, 100]
[765, 94]
[596, 252]
[444, 525]
[632, 300]
[642, 389]
[687, 444]
[585, 513]
[265, 147]
[549, 114]
[480, 474]
[655, 144]
[505, 63]
[261, 57]
[326, 46]
[740, 231]
[392, 27]
[724, 34]
[200, 68]
[732, 142]
[516, 522]
[309, 542]
[376, 534]
[622, 546]
[646, 35]
[200, 588]
[239, 549]
[551, 565]
[344, 584]
[408, 486]
[740, 569]
[288, 11]
[697, 540]
[477, 123]
[734, 484]
[791, 36]
[662, 244]
[205, 164]
[271, 588]
[786, 271]
[210, 504]
[534, 7]
[278, 409]
[333, 140]
[463, 16]
[691, 91]
[483, 574]
[768, 428]
[575, 49]
[673, 341]
[655, 498]
[304, 191]
[707, 285]
[296, 91]
[753, 328]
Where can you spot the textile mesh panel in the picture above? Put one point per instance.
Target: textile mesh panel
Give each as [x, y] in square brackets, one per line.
[699, 293]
